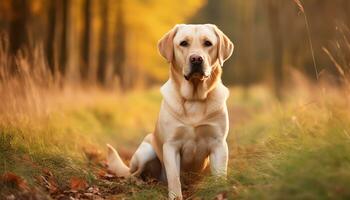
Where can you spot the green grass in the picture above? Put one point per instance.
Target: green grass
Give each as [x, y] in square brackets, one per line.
[56, 141]
[287, 151]
[299, 149]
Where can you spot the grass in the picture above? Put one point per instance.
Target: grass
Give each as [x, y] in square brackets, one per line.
[57, 140]
[299, 149]
[286, 151]
[295, 149]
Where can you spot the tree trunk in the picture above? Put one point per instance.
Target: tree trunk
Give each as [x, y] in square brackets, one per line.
[63, 38]
[120, 45]
[85, 66]
[247, 38]
[51, 36]
[102, 65]
[274, 9]
[18, 29]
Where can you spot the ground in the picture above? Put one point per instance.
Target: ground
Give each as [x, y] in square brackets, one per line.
[298, 148]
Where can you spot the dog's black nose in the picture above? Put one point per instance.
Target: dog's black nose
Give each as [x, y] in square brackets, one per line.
[196, 60]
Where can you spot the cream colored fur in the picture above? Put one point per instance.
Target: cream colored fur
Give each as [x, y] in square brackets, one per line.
[192, 126]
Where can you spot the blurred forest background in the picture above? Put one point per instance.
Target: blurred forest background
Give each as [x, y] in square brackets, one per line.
[113, 42]
[77, 74]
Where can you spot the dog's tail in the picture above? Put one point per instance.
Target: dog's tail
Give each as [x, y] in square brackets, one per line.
[116, 164]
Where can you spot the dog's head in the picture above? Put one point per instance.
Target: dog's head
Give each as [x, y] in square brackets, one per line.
[196, 49]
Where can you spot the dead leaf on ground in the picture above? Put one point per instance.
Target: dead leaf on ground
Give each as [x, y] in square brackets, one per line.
[49, 181]
[47, 172]
[49, 184]
[14, 180]
[105, 175]
[78, 184]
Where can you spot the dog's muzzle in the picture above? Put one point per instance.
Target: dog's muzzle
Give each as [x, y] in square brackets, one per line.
[196, 68]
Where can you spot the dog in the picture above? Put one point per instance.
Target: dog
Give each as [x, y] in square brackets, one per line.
[193, 123]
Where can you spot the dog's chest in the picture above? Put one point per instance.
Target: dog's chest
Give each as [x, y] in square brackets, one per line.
[194, 112]
[194, 144]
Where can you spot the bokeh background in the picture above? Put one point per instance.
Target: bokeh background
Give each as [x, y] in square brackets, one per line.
[77, 74]
[112, 43]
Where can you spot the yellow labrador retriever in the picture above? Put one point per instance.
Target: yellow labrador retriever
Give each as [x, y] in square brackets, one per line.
[193, 121]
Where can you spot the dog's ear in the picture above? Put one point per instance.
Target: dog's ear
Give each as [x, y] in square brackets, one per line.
[225, 46]
[166, 46]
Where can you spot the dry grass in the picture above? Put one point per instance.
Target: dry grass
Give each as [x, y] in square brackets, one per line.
[296, 149]
[25, 81]
[46, 125]
[339, 54]
[307, 25]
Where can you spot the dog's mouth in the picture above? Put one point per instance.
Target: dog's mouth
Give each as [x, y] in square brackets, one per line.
[197, 73]
[196, 76]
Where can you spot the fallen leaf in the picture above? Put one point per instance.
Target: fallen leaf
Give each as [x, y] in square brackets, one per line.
[78, 184]
[49, 183]
[47, 172]
[105, 175]
[14, 180]
[101, 173]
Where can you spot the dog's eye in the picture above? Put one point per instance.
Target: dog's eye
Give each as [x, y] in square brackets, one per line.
[184, 43]
[207, 43]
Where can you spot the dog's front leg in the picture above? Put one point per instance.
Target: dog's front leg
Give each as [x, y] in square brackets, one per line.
[219, 159]
[171, 158]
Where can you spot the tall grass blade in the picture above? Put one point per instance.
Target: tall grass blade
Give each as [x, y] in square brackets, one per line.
[301, 8]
